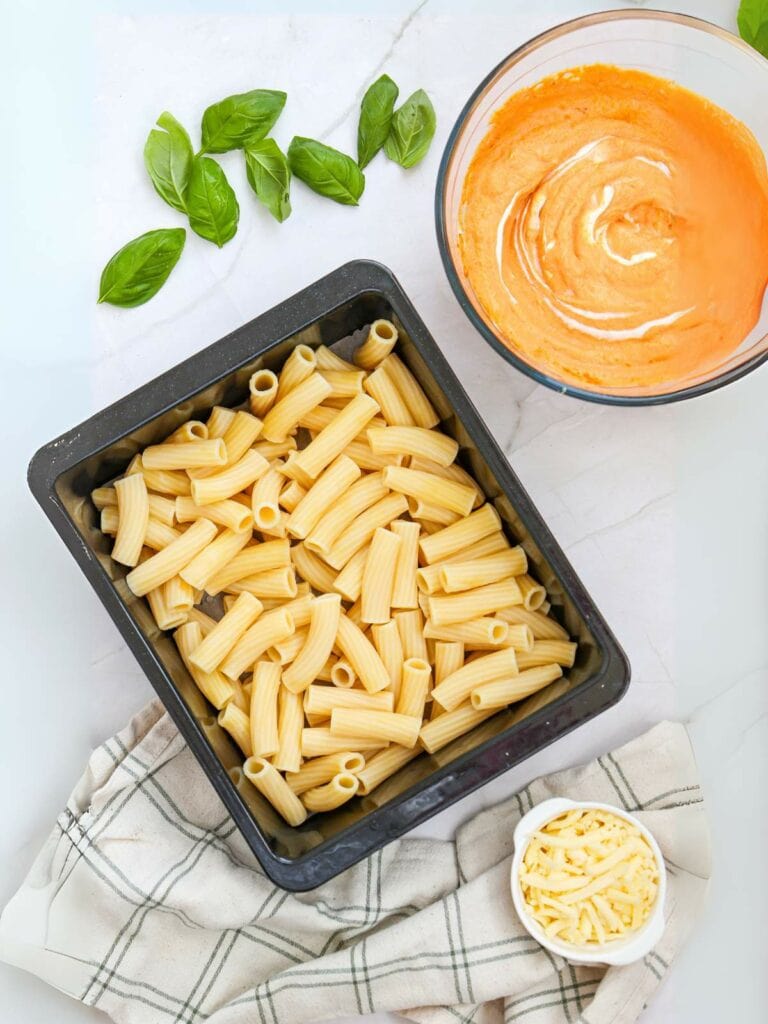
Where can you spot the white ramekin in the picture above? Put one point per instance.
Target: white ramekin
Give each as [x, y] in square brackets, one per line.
[618, 953]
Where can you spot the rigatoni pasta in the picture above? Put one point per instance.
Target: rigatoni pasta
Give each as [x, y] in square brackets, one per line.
[338, 588]
[133, 519]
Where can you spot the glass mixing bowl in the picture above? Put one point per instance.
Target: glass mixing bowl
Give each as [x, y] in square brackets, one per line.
[700, 56]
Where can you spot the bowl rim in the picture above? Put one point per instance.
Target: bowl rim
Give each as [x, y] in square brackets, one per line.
[636, 945]
[532, 44]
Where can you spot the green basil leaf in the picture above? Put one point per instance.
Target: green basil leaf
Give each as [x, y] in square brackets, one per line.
[168, 159]
[246, 117]
[375, 118]
[211, 203]
[413, 128]
[327, 171]
[140, 269]
[269, 175]
[753, 24]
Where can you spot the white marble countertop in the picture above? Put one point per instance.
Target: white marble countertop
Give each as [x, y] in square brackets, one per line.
[662, 511]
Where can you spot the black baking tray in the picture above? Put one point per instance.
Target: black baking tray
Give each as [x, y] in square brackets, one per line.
[335, 308]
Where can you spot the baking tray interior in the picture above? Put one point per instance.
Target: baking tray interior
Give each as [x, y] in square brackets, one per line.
[430, 782]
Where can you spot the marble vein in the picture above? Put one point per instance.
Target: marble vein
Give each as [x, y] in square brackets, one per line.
[376, 71]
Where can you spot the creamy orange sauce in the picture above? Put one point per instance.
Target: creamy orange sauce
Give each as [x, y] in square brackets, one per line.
[614, 228]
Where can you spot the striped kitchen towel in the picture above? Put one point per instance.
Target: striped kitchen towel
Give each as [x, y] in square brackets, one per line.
[146, 903]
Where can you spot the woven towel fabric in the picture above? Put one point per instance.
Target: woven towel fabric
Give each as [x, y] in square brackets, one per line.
[146, 903]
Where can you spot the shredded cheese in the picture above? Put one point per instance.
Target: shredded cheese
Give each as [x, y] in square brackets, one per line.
[589, 877]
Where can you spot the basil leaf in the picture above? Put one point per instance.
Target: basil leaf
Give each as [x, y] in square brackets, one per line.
[140, 269]
[269, 175]
[211, 203]
[246, 117]
[413, 128]
[375, 118]
[327, 171]
[753, 24]
[168, 159]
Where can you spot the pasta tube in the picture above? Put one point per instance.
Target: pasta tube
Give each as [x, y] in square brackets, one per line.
[473, 632]
[467, 531]
[299, 365]
[361, 530]
[544, 652]
[285, 414]
[541, 626]
[419, 406]
[133, 511]
[213, 558]
[430, 444]
[291, 495]
[192, 430]
[269, 629]
[342, 674]
[414, 688]
[230, 480]
[386, 639]
[429, 488]
[240, 435]
[265, 498]
[266, 684]
[472, 604]
[284, 652]
[271, 784]
[321, 700]
[313, 569]
[381, 387]
[322, 769]
[318, 741]
[262, 389]
[205, 622]
[236, 722]
[404, 591]
[213, 685]
[219, 419]
[433, 514]
[382, 765]
[457, 687]
[165, 617]
[500, 692]
[186, 455]
[333, 439]
[379, 576]
[172, 559]
[477, 572]
[362, 656]
[290, 721]
[438, 732]
[323, 627]
[274, 583]
[385, 726]
[344, 383]
[449, 658]
[322, 415]
[275, 449]
[227, 631]
[349, 582]
[533, 594]
[335, 480]
[452, 472]
[360, 496]
[327, 359]
[382, 338]
[251, 561]
[229, 514]
[410, 625]
[333, 794]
